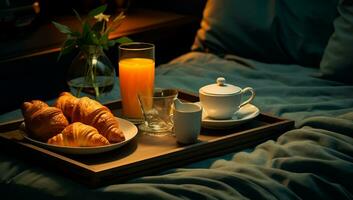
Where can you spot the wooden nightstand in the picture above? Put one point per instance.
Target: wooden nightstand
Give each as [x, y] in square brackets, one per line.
[140, 24]
[29, 67]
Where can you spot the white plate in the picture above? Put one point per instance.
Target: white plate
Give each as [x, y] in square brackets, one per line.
[244, 114]
[129, 129]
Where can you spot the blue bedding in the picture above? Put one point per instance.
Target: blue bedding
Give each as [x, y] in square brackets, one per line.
[314, 161]
[289, 91]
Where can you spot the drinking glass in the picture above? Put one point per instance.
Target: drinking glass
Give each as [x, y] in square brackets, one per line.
[157, 111]
[136, 75]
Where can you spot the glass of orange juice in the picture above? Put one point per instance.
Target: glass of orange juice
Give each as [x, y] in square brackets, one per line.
[136, 75]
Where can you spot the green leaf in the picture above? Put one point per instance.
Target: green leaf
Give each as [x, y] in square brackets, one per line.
[86, 36]
[98, 27]
[123, 40]
[77, 15]
[62, 28]
[94, 38]
[104, 39]
[105, 47]
[75, 34]
[67, 47]
[85, 28]
[86, 31]
[98, 10]
[111, 43]
[69, 42]
[59, 56]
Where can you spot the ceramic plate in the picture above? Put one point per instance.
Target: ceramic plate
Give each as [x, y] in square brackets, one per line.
[244, 114]
[129, 129]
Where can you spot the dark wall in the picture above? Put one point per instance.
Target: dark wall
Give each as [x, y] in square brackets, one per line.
[26, 76]
[190, 7]
[38, 77]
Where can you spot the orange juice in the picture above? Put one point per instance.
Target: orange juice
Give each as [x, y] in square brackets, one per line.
[136, 77]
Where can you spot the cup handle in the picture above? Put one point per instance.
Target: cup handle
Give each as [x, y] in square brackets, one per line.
[248, 89]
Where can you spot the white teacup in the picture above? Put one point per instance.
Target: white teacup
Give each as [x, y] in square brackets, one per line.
[222, 100]
[187, 121]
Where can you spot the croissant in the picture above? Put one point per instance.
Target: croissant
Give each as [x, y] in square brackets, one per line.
[79, 135]
[92, 113]
[42, 121]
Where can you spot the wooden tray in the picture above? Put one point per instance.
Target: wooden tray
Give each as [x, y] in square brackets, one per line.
[145, 155]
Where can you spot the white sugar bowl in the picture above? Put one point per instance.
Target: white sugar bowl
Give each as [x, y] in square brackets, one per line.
[222, 100]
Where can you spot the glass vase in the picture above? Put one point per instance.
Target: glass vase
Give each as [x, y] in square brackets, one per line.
[91, 73]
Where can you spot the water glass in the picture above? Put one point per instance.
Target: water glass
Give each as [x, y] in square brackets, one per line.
[157, 112]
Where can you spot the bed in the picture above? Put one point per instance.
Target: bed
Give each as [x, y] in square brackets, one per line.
[304, 80]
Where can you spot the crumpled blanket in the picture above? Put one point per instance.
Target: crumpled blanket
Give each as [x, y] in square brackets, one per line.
[314, 161]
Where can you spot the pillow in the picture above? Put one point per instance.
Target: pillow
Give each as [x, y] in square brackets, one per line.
[337, 61]
[281, 31]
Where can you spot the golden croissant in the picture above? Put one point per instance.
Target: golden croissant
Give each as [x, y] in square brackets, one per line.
[79, 135]
[42, 121]
[92, 113]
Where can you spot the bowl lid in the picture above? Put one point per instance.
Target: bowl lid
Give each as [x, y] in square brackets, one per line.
[220, 88]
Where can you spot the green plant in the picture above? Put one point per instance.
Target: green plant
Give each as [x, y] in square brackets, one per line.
[95, 29]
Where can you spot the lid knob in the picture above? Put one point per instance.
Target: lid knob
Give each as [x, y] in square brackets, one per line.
[221, 81]
[220, 88]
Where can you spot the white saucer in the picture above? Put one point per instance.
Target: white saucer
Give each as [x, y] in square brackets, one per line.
[244, 114]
